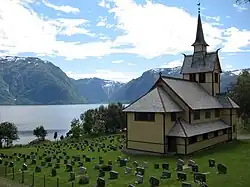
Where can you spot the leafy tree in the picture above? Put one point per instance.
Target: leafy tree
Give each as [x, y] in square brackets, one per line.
[61, 137]
[8, 133]
[240, 94]
[69, 133]
[87, 119]
[40, 132]
[55, 135]
[76, 128]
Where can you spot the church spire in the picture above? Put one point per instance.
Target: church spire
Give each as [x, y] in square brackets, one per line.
[200, 43]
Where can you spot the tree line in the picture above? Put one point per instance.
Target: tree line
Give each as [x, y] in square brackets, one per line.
[101, 120]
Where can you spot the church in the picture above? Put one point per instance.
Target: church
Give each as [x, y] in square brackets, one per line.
[184, 115]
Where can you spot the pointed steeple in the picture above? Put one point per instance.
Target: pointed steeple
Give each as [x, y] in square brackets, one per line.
[200, 44]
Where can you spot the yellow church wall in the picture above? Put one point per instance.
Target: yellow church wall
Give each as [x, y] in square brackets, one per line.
[202, 117]
[145, 135]
[185, 113]
[168, 123]
[217, 85]
[208, 84]
[206, 143]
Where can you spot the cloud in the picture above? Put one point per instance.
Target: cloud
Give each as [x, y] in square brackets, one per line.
[172, 64]
[102, 21]
[117, 61]
[104, 4]
[236, 40]
[131, 64]
[228, 67]
[240, 8]
[64, 8]
[105, 74]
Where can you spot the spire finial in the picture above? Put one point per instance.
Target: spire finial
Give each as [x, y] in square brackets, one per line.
[199, 7]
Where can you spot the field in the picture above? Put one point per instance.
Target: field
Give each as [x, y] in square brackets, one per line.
[235, 156]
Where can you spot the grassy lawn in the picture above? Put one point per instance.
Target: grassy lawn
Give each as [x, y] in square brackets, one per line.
[235, 155]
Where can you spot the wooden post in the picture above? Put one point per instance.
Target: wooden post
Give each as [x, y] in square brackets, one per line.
[33, 179]
[22, 176]
[5, 171]
[72, 183]
[57, 183]
[44, 180]
[13, 173]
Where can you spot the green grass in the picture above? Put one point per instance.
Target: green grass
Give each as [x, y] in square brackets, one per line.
[235, 155]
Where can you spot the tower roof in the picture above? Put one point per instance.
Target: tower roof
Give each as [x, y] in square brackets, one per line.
[200, 40]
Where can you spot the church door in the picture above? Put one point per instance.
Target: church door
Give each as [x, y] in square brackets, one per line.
[172, 148]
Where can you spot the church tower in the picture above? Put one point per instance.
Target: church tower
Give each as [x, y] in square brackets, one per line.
[202, 66]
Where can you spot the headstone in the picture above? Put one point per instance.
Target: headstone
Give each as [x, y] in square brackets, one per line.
[87, 159]
[135, 164]
[127, 170]
[101, 173]
[69, 168]
[195, 168]
[113, 175]
[82, 170]
[24, 167]
[154, 181]
[84, 180]
[139, 179]
[140, 171]
[221, 169]
[166, 175]
[11, 165]
[145, 164]
[179, 167]
[186, 184]
[110, 162]
[57, 166]
[100, 182]
[165, 166]
[211, 163]
[199, 177]
[181, 176]
[101, 161]
[123, 162]
[43, 163]
[49, 164]
[191, 162]
[181, 162]
[131, 185]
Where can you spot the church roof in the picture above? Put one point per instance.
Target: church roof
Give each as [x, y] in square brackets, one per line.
[192, 93]
[209, 64]
[226, 101]
[156, 100]
[183, 129]
[199, 40]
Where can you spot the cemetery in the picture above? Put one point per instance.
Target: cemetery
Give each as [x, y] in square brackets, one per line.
[101, 162]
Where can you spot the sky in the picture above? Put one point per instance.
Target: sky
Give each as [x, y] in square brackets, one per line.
[120, 39]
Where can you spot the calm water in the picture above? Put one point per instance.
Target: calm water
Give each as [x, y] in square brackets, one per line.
[52, 117]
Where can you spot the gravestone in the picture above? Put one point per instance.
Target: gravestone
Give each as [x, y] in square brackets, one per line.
[165, 166]
[221, 169]
[101, 161]
[181, 176]
[113, 175]
[140, 171]
[72, 176]
[145, 164]
[38, 169]
[101, 173]
[43, 163]
[11, 165]
[153, 181]
[135, 164]
[191, 163]
[49, 164]
[57, 166]
[199, 177]
[84, 180]
[100, 182]
[131, 185]
[87, 159]
[211, 163]
[166, 175]
[123, 162]
[139, 179]
[195, 168]
[179, 167]
[110, 162]
[156, 166]
[127, 170]
[82, 170]
[181, 162]
[69, 168]
[24, 167]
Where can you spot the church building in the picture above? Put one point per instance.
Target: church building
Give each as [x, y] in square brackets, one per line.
[184, 115]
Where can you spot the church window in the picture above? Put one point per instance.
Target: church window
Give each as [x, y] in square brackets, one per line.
[192, 77]
[205, 136]
[234, 128]
[144, 116]
[196, 115]
[202, 77]
[216, 77]
[217, 113]
[207, 114]
[173, 116]
[192, 140]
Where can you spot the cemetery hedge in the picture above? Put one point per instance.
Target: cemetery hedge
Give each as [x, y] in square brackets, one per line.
[235, 156]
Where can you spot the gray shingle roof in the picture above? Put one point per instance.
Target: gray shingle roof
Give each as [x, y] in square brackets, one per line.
[226, 101]
[191, 65]
[156, 100]
[184, 129]
[192, 93]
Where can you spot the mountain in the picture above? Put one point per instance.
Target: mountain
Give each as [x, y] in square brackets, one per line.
[34, 81]
[30, 80]
[139, 86]
[97, 90]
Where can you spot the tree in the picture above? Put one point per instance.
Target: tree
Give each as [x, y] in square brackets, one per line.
[76, 128]
[55, 135]
[240, 94]
[8, 133]
[61, 137]
[40, 132]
